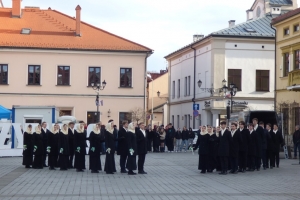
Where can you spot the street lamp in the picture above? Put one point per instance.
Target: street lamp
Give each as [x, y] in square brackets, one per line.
[232, 90]
[98, 87]
[149, 76]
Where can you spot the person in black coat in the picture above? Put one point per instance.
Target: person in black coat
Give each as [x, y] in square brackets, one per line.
[244, 145]
[260, 140]
[141, 140]
[96, 139]
[80, 151]
[202, 143]
[212, 150]
[178, 137]
[45, 133]
[132, 148]
[234, 148]
[38, 148]
[52, 147]
[110, 139]
[265, 147]
[296, 141]
[170, 135]
[28, 147]
[150, 134]
[156, 139]
[71, 132]
[63, 148]
[270, 147]
[185, 138]
[122, 146]
[278, 143]
[224, 147]
[252, 148]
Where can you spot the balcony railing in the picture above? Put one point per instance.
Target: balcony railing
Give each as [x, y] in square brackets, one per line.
[294, 77]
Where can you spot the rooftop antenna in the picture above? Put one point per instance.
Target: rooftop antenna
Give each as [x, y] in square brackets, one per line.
[1, 4]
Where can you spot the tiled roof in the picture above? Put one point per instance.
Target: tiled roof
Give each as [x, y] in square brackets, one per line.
[281, 2]
[286, 16]
[261, 26]
[51, 29]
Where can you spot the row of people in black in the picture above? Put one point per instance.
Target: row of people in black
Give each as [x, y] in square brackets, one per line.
[62, 144]
[239, 149]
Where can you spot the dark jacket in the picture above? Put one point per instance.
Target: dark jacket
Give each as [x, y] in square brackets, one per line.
[96, 141]
[235, 144]
[213, 145]
[296, 137]
[185, 134]
[270, 145]
[122, 144]
[191, 135]
[224, 143]
[278, 141]
[28, 141]
[45, 137]
[71, 141]
[202, 143]
[141, 142]
[53, 143]
[79, 141]
[265, 140]
[245, 134]
[39, 143]
[178, 135]
[260, 140]
[170, 133]
[131, 143]
[252, 149]
[63, 142]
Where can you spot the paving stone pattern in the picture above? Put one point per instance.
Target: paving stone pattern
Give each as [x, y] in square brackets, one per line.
[171, 176]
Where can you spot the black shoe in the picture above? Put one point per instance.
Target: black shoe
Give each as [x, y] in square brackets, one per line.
[79, 170]
[109, 173]
[231, 172]
[240, 170]
[27, 166]
[265, 168]
[271, 167]
[244, 171]
[258, 169]
[63, 169]
[94, 171]
[277, 166]
[131, 173]
[52, 168]
[203, 172]
[235, 172]
[222, 172]
[142, 172]
[124, 171]
[252, 170]
[45, 165]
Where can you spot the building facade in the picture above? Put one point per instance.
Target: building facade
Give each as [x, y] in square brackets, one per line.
[242, 54]
[49, 58]
[288, 68]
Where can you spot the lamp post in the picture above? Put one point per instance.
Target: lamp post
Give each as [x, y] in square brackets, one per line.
[98, 87]
[149, 76]
[233, 90]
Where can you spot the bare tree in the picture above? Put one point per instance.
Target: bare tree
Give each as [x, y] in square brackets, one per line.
[138, 114]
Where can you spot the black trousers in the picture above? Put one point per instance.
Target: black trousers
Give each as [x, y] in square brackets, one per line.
[243, 159]
[141, 161]
[271, 158]
[251, 161]
[123, 159]
[234, 163]
[224, 163]
[276, 154]
[264, 157]
[257, 162]
[203, 162]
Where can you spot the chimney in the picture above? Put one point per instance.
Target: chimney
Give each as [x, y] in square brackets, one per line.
[231, 23]
[249, 14]
[197, 37]
[78, 21]
[16, 9]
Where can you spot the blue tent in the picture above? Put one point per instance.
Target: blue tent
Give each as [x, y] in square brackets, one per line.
[4, 113]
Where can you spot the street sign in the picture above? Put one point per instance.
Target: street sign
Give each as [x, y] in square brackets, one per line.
[195, 113]
[196, 107]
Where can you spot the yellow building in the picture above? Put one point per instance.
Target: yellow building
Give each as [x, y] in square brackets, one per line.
[288, 68]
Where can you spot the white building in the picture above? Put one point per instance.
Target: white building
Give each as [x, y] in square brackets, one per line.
[242, 54]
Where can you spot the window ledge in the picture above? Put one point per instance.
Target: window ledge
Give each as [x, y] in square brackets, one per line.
[4, 84]
[32, 85]
[284, 77]
[63, 85]
[126, 87]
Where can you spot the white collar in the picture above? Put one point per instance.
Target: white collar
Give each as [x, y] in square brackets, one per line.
[275, 131]
[233, 132]
[241, 129]
[251, 132]
[256, 126]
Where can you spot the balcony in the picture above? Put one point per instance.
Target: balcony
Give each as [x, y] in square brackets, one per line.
[294, 80]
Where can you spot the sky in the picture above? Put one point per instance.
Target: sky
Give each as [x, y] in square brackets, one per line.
[162, 25]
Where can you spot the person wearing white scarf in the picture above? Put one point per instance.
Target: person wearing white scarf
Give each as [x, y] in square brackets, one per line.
[202, 143]
[212, 150]
[79, 144]
[28, 147]
[96, 139]
[110, 166]
[252, 148]
[53, 138]
[131, 143]
[63, 147]
[38, 148]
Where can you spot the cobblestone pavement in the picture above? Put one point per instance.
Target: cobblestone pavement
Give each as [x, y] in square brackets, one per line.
[170, 176]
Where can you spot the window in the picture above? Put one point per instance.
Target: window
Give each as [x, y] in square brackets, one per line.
[285, 120]
[297, 115]
[125, 77]
[65, 112]
[92, 117]
[297, 59]
[286, 31]
[3, 74]
[185, 86]
[34, 75]
[173, 90]
[178, 89]
[94, 75]
[124, 116]
[185, 121]
[286, 64]
[296, 28]
[63, 75]
[262, 80]
[189, 86]
[250, 30]
[189, 120]
[235, 76]
[178, 121]
[173, 120]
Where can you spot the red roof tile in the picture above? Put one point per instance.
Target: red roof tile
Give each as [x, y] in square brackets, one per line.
[51, 29]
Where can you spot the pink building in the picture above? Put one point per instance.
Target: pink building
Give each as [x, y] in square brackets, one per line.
[49, 58]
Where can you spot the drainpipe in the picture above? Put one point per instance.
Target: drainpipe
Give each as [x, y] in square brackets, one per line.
[275, 84]
[194, 98]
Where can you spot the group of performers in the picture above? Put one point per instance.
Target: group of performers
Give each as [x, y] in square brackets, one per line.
[63, 143]
[240, 148]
